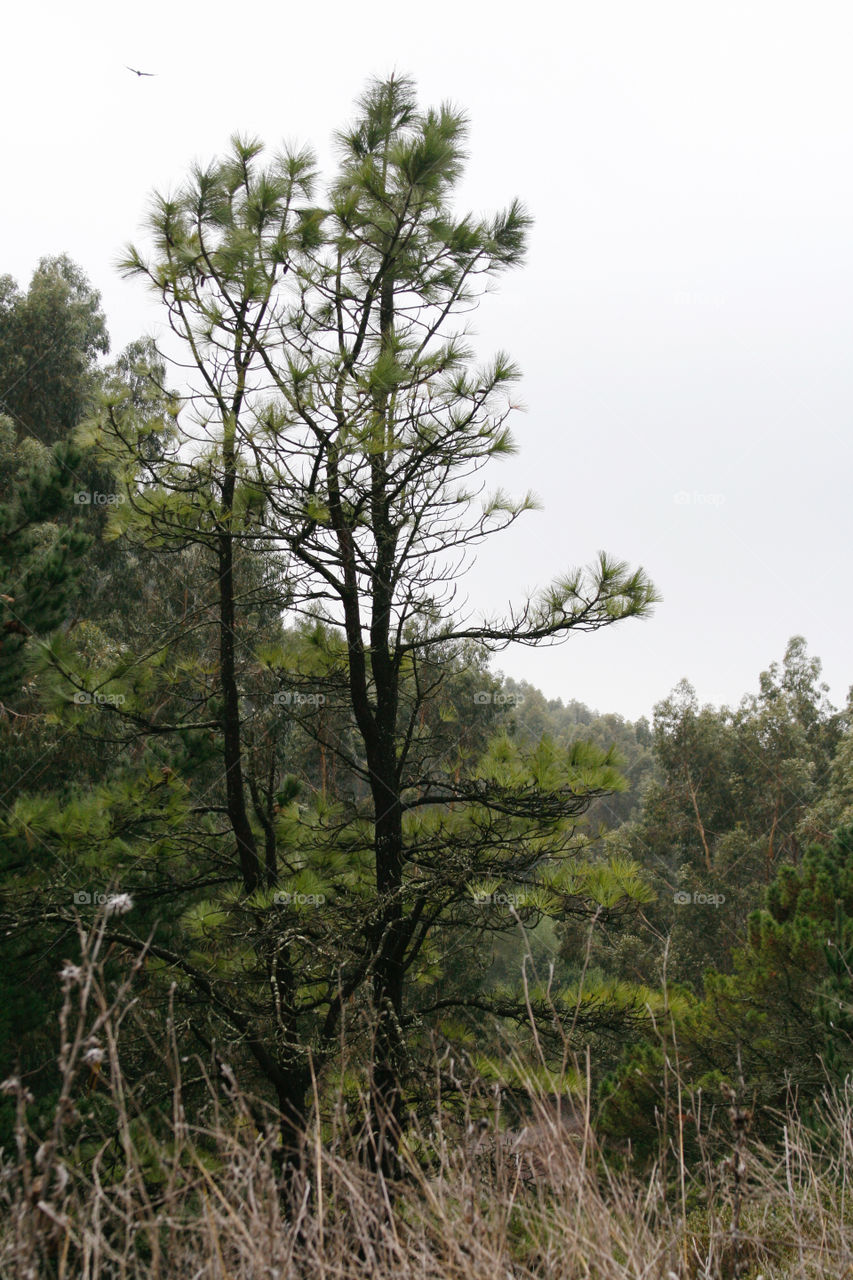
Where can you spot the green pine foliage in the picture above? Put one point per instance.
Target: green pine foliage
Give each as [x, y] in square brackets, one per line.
[237, 692]
[788, 1003]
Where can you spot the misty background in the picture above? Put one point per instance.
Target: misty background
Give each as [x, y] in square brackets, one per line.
[684, 320]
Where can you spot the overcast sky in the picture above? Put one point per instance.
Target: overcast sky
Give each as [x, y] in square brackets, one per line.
[685, 318]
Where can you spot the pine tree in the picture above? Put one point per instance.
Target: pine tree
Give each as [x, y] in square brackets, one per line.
[325, 461]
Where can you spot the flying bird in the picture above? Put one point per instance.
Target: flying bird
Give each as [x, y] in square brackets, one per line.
[141, 73]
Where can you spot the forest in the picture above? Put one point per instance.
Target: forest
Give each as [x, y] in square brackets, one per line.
[327, 949]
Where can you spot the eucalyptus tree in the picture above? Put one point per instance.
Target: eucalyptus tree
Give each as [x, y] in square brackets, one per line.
[331, 440]
[39, 558]
[50, 340]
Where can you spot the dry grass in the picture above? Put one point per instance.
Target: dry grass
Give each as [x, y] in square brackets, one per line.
[209, 1201]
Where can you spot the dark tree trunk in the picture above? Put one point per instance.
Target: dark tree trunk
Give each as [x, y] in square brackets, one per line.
[389, 944]
[235, 795]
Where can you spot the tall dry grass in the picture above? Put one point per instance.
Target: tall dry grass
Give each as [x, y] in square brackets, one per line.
[474, 1200]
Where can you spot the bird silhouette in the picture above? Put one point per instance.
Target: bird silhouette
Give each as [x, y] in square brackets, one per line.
[141, 73]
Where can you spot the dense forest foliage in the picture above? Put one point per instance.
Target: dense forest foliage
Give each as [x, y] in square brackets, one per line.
[245, 733]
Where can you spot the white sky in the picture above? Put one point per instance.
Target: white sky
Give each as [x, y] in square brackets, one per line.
[684, 322]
